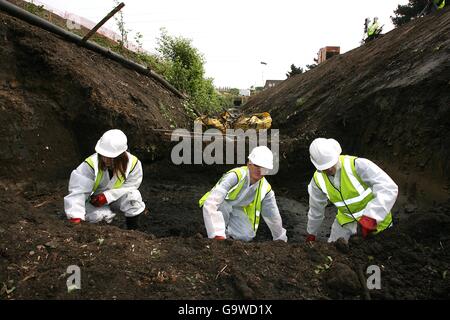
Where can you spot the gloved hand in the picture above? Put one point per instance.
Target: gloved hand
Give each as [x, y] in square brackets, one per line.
[310, 238]
[219, 238]
[99, 200]
[368, 225]
[75, 220]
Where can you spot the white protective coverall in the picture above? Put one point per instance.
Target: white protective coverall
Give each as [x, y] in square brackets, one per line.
[227, 218]
[384, 190]
[126, 199]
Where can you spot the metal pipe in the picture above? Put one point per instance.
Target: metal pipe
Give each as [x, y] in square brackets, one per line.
[26, 16]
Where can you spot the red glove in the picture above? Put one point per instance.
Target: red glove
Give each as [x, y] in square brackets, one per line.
[99, 200]
[368, 225]
[310, 238]
[219, 238]
[75, 220]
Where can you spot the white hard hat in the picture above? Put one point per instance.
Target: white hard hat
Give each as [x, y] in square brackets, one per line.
[262, 156]
[324, 153]
[112, 144]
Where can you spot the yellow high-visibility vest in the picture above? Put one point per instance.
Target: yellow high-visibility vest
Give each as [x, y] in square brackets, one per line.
[252, 210]
[93, 162]
[352, 196]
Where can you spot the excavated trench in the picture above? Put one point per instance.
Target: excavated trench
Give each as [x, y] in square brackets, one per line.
[56, 99]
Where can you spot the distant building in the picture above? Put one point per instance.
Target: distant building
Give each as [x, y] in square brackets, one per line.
[326, 53]
[271, 83]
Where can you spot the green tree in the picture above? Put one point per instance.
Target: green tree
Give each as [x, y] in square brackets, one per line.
[120, 22]
[184, 69]
[404, 13]
[139, 39]
[234, 91]
[294, 70]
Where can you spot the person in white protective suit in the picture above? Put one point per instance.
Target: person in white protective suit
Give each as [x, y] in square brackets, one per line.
[362, 192]
[233, 207]
[106, 182]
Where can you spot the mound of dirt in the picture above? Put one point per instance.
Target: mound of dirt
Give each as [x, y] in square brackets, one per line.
[388, 100]
[56, 99]
[170, 258]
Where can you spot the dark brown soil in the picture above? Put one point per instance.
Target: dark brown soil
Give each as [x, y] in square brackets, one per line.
[56, 99]
[170, 258]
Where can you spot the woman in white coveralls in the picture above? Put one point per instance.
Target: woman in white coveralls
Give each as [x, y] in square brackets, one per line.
[106, 181]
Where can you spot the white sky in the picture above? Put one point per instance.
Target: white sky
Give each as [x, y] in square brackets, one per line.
[236, 35]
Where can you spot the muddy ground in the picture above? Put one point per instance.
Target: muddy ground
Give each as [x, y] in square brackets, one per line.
[170, 258]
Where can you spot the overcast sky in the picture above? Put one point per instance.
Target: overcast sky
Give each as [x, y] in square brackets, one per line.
[236, 35]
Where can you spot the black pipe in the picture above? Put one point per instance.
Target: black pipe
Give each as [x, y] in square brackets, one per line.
[26, 16]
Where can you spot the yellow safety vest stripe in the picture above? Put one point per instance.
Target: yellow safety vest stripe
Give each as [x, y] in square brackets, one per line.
[253, 210]
[353, 195]
[99, 173]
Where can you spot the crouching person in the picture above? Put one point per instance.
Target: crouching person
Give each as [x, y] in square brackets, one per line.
[106, 182]
[232, 209]
[360, 190]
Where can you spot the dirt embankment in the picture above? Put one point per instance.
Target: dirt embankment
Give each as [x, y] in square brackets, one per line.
[56, 99]
[388, 101]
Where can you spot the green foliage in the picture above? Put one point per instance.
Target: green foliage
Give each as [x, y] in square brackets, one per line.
[404, 13]
[234, 91]
[34, 9]
[178, 61]
[138, 38]
[121, 25]
[294, 70]
[184, 69]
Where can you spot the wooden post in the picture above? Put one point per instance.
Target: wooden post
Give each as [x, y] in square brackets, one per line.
[103, 21]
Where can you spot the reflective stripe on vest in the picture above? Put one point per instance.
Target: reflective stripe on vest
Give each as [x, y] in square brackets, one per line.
[352, 197]
[252, 210]
[372, 28]
[93, 162]
[439, 3]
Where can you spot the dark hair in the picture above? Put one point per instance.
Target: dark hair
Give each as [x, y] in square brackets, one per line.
[120, 164]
